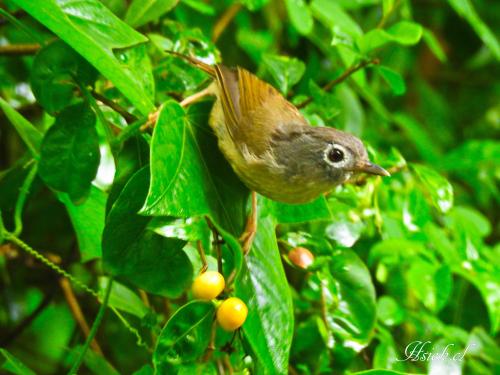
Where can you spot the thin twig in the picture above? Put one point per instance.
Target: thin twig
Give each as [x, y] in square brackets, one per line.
[211, 344]
[224, 20]
[115, 107]
[19, 49]
[93, 330]
[216, 243]
[201, 252]
[74, 306]
[330, 85]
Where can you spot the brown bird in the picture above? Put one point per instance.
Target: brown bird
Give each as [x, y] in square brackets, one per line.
[270, 145]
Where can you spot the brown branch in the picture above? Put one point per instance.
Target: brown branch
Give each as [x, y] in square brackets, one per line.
[330, 85]
[115, 107]
[19, 49]
[225, 20]
[74, 306]
[211, 344]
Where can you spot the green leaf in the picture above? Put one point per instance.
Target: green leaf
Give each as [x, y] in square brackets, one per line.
[95, 33]
[434, 45]
[185, 336]
[262, 285]
[286, 71]
[88, 222]
[351, 302]
[57, 70]
[134, 252]
[141, 12]
[254, 5]
[299, 213]
[31, 136]
[438, 187]
[332, 15]
[189, 177]
[465, 8]
[200, 6]
[393, 79]
[124, 299]
[379, 372]
[96, 363]
[404, 32]
[417, 134]
[69, 155]
[300, 15]
[14, 365]
[389, 312]
[430, 284]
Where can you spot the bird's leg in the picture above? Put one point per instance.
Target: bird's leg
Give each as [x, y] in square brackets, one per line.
[248, 235]
[153, 117]
[195, 97]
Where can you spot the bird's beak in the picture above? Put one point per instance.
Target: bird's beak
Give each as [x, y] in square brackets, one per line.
[371, 168]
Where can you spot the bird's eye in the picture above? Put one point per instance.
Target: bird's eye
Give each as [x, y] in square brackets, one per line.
[335, 155]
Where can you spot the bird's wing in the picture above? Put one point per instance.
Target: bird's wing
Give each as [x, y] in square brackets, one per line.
[253, 109]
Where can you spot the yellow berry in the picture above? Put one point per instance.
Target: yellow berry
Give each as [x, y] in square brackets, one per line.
[232, 313]
[208, 285]
[301, 257]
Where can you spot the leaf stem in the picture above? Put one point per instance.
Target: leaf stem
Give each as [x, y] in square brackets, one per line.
[105, 124]
[115, 107]
[23, 193]
[93, 330]
[128, 132]
[225, 20]
[19, 49]
[347, 73]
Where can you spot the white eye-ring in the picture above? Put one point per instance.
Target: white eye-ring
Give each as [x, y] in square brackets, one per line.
[335, 155]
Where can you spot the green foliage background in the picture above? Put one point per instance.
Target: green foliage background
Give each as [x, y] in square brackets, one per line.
[87, 194]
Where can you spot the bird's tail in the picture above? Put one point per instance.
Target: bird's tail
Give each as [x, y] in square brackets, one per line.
[195, 62]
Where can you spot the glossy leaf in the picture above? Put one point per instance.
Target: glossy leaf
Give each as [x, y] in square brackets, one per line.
[94, 32]
[393, 79]
[57, 71]
[262, 286]
[31, 136]
[88, 221]
[300, 15]
[189, 177]
[439, 189]
[286, 71]
[141, 12]
[299, 213]
[137, 254]
[351, 304]
[69, 155]
[185, 337]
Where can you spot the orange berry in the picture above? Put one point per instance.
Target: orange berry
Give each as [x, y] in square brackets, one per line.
[301, 257]
[232, 313]
[208, 285]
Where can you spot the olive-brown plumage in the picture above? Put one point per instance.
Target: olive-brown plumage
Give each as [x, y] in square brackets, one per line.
[271, 146]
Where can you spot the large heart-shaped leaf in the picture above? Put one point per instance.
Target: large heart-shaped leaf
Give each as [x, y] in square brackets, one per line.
[189, 176]
[137, 254]
[69, 155]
